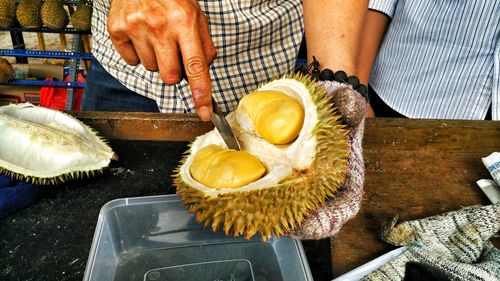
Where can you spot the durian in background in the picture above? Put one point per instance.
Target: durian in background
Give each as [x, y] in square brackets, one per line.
[81, 17]
[6, 70]
[54, 15]
[46, 146]
[7, 13]
[28, 13]
[294, 155]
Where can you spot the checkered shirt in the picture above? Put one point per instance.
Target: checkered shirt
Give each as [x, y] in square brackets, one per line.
[255, 41]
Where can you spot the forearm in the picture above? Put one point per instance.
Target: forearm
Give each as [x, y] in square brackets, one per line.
[333, 29]
[371, 37]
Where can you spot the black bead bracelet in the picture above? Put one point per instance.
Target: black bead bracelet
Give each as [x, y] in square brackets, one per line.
[329, 75]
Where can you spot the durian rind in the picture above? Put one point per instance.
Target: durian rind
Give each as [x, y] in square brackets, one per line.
[46, 146]
[279, 202]
[81, 18]
[7, 13]
[6, 70]
[54, 15]
[28, 13]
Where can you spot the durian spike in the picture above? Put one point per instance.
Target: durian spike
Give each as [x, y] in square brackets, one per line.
[280, 205]
[6, 70]
[7, 13]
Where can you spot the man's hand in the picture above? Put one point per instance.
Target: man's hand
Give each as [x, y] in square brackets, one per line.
[166, 36]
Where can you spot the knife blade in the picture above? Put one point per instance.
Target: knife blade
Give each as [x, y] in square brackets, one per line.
[223, 127]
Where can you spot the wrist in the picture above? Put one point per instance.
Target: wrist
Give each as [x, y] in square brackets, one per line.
[313, 69]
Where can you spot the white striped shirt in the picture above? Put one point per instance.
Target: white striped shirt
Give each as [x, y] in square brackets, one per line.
[440, 58]
[255, 41]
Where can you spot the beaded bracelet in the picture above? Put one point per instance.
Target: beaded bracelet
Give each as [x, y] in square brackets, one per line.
[328, 75]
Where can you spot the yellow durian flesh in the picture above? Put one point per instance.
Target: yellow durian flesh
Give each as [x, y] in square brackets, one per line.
[218, 167]
[277, 117]
[299, 176]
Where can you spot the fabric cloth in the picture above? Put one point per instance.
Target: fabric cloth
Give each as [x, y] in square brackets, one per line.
[329, 219]
[455, 243]
[255, 41]
[439, 58]
[16, 194]
[104, 93]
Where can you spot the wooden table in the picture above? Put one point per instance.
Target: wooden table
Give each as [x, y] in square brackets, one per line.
[414, 168]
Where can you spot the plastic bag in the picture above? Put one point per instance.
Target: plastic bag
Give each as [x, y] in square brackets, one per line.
[55, 97]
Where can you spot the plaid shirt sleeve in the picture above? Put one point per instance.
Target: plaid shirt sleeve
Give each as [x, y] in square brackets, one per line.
[255, 41]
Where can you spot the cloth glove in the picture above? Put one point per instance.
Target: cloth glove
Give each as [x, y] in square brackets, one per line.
[16, 194]
[329, 219]
[455, 243]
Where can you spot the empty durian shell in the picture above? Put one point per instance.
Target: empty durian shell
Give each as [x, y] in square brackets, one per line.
[46, 146]
[5, 70]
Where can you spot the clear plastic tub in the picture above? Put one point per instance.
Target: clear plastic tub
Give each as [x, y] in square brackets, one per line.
[155, 238]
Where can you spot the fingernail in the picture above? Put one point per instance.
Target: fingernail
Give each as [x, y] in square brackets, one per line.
[204, 112]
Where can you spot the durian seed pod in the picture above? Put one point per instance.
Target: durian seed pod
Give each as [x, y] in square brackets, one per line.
[6, 70]
[28, 13]
[54, 15]
[7, 13]
[81, 18]
[301, 171]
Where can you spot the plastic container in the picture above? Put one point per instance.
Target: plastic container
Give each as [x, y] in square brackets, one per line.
[155, 238]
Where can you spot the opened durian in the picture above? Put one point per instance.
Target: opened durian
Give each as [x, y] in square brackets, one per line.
[6, 70]
[82, 16]
[7, 13]
[28, 13]
[54, 15]
[46, 146]
[294, 151]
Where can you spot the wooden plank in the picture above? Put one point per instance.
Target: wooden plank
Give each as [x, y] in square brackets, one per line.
[145, 125]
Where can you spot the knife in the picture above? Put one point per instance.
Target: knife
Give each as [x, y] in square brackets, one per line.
[219, 121]
[223, 127]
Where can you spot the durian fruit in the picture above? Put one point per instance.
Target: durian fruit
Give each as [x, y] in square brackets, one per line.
[54, 15]
[295, 157]
[46, 146]
[28, 13]
[7, 13]
[6, 70]
[82, 16]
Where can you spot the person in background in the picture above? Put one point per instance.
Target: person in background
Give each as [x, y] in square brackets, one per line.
[144, 48]
[432, 58]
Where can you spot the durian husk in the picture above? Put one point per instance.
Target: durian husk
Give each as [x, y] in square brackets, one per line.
[45, 146]
[7, 13]
[276, 210]
[54, 15]
[28, 13]
[81, 18]
[6, 70]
